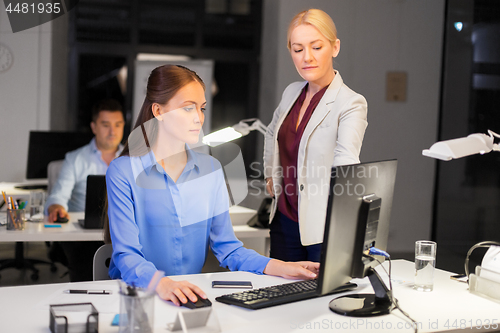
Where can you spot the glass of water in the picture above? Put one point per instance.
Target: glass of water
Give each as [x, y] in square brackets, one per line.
[37, 202]
[425, 263]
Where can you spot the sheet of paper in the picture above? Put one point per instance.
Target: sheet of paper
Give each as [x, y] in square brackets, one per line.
[491, 264]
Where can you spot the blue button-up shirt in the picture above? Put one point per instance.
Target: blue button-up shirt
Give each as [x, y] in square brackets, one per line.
[71, 187]
[158, 224]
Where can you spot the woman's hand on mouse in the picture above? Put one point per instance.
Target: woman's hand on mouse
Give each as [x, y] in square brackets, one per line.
[178, 291]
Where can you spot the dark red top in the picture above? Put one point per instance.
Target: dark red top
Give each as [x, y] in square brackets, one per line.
[289, 137]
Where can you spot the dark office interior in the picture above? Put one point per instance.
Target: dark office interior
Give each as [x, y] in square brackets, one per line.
[466, 209]
[106, 36]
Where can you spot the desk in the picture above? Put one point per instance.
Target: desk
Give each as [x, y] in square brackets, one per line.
[25, 308]
[254, 238]
[257, 239]
[10, 188]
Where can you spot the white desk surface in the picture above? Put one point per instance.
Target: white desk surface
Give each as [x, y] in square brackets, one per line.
[10, 187]
[450, 305]
[71, 231]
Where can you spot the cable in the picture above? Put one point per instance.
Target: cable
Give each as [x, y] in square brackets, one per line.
[493, 134]
[394, 300]
[379, 252]
[478, 245]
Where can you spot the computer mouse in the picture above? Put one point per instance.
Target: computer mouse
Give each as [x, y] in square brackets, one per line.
[200, 303]
[61, 219]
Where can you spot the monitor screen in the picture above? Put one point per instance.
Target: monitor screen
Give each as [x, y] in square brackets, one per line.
[45, 147]
[358, 214]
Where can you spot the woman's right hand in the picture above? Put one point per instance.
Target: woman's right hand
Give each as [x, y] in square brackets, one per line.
[270, 187]
[178, 291]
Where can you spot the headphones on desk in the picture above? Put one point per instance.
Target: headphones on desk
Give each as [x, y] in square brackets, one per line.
[485, 244]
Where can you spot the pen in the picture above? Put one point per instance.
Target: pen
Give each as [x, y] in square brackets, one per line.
[88, 292]
[52, 226]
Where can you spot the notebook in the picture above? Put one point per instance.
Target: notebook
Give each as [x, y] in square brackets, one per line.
[94, 202]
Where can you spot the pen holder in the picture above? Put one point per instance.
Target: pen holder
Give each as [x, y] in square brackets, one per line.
[15, 219]
[77, 317]
[137, 312]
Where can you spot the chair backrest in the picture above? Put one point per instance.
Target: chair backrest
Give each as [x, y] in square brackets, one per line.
[53, 169]
[102, 259]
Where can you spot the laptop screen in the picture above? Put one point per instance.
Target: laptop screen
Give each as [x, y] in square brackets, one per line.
[95, 202]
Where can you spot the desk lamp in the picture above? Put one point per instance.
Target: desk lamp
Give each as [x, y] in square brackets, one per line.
[234, 132]
[476, 143]
[234, 170]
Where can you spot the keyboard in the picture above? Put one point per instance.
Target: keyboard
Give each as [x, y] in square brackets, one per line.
[276, 295]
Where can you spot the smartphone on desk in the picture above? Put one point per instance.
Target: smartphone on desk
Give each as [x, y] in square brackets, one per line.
[232, 284]
[459, 278]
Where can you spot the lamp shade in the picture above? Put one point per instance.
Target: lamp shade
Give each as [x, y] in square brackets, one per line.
[473, 144]
[221, 136]
[234, 132]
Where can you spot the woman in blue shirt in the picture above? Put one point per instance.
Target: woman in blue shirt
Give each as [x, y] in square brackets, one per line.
[168, 203]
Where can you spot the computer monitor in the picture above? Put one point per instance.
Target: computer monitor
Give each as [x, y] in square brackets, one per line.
[358, 214]
[47, 146]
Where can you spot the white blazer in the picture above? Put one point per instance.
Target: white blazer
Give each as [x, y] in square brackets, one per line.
[332, 137]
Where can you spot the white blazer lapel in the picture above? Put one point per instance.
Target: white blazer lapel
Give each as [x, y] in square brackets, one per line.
[322, 109]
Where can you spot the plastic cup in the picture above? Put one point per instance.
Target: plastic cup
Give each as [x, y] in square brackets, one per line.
[137, 312]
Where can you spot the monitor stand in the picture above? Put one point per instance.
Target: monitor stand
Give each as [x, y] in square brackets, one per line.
[365, 305]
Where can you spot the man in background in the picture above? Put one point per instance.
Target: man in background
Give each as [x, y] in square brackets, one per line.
[69, 192]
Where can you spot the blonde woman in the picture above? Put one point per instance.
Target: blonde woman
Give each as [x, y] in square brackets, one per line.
[319, 123]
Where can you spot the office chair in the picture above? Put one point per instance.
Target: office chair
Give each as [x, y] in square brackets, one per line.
[20, 262]
[102, 260]
[53, 169]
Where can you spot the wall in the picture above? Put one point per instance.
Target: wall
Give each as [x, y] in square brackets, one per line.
[60, 115]
[24, 94]
[377, 37]
[27, 100]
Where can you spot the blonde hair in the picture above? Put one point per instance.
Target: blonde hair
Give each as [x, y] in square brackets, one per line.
[318, 19]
